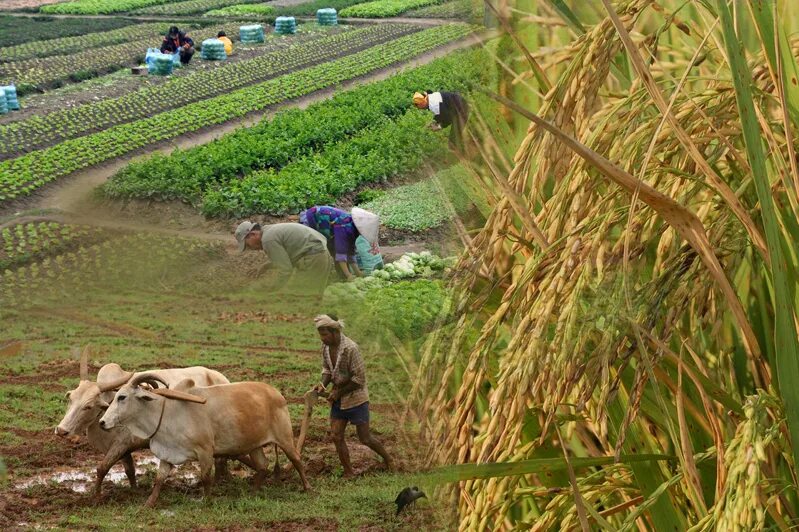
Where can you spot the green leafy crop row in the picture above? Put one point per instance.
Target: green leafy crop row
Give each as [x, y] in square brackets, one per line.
[97, 7]
[190, 7]
[37, 131]
[374, 154]
[384, 8]
[309, 8]
[186, 174]
[16, 30]
[44, 72]
[22, 243]
[240, 10]
[423, 205]
[68, 45]
[92, 263]
[22, 175]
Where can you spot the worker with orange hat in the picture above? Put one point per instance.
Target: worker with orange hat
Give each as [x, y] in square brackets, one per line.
[449, 109]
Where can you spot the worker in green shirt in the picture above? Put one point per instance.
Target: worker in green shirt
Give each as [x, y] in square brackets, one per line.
[298, 252]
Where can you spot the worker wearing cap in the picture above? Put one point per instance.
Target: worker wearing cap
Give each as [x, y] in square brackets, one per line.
[177, 40]
[449, 109]
[294, 250]
[342, 229]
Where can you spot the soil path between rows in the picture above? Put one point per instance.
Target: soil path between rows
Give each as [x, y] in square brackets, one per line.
[72, 195]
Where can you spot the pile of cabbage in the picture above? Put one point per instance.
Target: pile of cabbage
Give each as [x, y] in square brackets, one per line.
[409, 266]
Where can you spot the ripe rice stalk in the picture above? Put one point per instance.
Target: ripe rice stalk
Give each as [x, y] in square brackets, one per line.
[591, 325]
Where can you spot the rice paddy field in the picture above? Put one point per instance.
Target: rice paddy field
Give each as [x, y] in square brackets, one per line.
[588, 315]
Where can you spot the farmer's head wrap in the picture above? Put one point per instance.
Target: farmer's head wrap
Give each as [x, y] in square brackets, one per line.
[419, 98]
[323, 320]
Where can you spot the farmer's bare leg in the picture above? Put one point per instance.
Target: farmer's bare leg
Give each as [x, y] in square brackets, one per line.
[337, 427]
[365, 435]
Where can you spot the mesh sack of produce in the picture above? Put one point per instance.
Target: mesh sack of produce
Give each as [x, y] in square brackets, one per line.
[213, 50]
[285, 25]
[251, 33]
[12, 102]
[162, 65]
[3, 105]
[326, 16]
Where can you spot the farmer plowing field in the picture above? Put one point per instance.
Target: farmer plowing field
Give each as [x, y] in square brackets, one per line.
[343, 365]
[297, 252]
[449, 109]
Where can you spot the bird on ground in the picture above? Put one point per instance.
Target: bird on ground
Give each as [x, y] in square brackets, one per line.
[408, 496]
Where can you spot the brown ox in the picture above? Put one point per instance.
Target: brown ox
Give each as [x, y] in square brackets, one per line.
[191, 422]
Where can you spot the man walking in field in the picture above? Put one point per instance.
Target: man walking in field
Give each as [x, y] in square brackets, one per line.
[297, 252]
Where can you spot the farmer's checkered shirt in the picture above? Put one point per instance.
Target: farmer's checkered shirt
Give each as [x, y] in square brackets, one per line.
[349, 367]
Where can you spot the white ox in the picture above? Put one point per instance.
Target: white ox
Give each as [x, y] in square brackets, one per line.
[89, 401]
[189, 422]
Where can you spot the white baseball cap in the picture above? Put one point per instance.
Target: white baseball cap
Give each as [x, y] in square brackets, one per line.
[243, 230]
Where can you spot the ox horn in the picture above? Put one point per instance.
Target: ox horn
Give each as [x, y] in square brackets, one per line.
[84, 363]
[180, 396]
[150, 379]
[113, 385]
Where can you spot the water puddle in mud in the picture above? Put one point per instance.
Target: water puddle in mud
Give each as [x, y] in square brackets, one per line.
[81, 480]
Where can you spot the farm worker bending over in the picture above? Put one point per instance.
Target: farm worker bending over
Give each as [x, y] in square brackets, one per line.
[222, 36]
[177, 40]
[449, 109]
[342, 364]
[341, 230]
[368, 256]
[291, 248]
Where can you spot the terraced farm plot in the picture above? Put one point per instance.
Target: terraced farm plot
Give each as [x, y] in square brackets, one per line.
[189, 7]
[40, 131]
[46, 72]
[25, 174]
[18, 30]
[97, 7]
[188, 174]
[70, 45]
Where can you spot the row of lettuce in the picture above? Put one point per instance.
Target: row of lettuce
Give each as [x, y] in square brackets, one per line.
[302, 157]
[41, 130]
[40, 73]
[377, 8]
[25, 174]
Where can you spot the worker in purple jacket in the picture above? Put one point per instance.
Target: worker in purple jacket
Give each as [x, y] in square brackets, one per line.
[449, 110]
[178, 40]
[341, 229]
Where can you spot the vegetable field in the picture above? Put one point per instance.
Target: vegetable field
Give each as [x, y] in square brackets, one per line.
[120, 189]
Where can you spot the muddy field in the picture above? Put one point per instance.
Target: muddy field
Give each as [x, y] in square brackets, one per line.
[214, 313]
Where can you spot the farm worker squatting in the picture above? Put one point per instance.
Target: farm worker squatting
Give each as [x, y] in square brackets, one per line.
[299, 253]
[178, 40]
[222, 36]
[343, 365]
[449, 109]
[342, 230]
